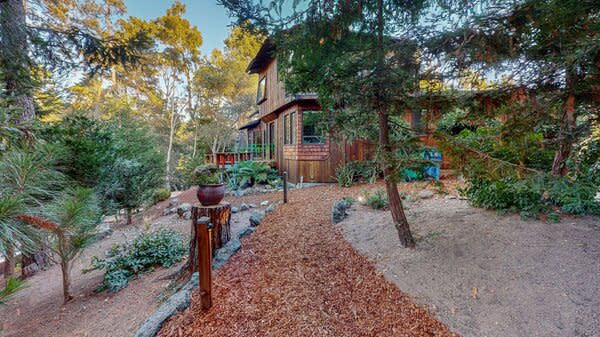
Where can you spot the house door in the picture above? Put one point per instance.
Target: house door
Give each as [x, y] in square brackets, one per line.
[272, 137]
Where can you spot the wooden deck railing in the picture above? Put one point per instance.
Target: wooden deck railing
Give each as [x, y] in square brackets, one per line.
[256, 152]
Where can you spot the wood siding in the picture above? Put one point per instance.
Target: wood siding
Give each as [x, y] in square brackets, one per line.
[275, 93]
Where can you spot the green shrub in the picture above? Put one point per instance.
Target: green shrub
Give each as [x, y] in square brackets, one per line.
[162, 248]
[158, 195]
[533, 195]
[365, 171]
[247, 173]
[377, 199]
[345, 176]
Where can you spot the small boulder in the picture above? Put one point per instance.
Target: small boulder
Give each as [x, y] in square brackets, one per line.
[187, 215]
[169, 211]
[270, 209]
[173, 202]
[235, 210]
[256, 218]
[183, 208]
[103, 230]
[338, 211]
[264, 203]
[450, 197]
[31, 269]
[244, 207]
[425, 194]
[252, 205]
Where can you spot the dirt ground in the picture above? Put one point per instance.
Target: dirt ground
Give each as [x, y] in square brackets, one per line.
[489, 275]
[297, 276]
[38, 311]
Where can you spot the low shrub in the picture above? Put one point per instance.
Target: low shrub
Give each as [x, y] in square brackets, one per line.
[162, 248]
[247, 173]
[533, 195]
[365, 171]
[158, 195]
[345, 176]
[377, 199]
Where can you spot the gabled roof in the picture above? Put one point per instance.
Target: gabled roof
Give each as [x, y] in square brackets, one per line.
[262, 58]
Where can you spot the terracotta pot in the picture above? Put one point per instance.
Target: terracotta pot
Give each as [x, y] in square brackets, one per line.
[209, 195]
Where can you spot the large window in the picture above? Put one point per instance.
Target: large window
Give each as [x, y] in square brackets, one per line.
[312, 130]
[289, 128]
[262, 88]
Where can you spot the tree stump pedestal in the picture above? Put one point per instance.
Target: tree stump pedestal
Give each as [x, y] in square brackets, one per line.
[220, 217]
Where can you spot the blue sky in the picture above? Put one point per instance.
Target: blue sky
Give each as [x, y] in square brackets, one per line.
[210, 18]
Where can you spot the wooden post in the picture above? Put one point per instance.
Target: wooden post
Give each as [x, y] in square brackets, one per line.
[285, 188]
[203, 239]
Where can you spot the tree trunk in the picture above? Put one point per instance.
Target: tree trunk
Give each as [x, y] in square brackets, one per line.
[14, 53]
[129, 216]
[65, 267]
[9, 263]
[394, 200]
[195, 139]
[170, 149]
[559, 166]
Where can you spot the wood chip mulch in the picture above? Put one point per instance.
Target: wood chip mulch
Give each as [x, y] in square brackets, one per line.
[297, 276]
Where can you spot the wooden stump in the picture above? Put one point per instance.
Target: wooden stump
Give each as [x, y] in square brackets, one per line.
[220, 217]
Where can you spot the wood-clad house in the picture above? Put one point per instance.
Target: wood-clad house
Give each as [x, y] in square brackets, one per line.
[286, 129]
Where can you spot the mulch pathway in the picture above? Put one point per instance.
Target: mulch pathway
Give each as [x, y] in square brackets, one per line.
[297, 276]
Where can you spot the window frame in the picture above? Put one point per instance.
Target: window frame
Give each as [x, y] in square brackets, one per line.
[293, 127]
[286, 131]
[322, 137]
[262, 83]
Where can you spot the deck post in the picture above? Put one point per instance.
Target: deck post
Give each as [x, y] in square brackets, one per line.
[285, 188]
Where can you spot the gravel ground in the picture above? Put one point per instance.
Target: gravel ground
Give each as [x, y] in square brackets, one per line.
[297, 276]
[489, 275]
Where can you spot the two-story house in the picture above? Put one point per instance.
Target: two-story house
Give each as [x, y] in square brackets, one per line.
[287, 128]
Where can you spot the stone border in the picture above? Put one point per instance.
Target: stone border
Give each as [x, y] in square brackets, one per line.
[183, 298]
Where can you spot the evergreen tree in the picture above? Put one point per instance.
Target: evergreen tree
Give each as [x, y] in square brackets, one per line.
[360, 57]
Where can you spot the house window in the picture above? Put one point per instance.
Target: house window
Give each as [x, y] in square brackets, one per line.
[262, 88]
[289, 128]
[293, 128]
[286, 131]
[312, 130]
[416, 120]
